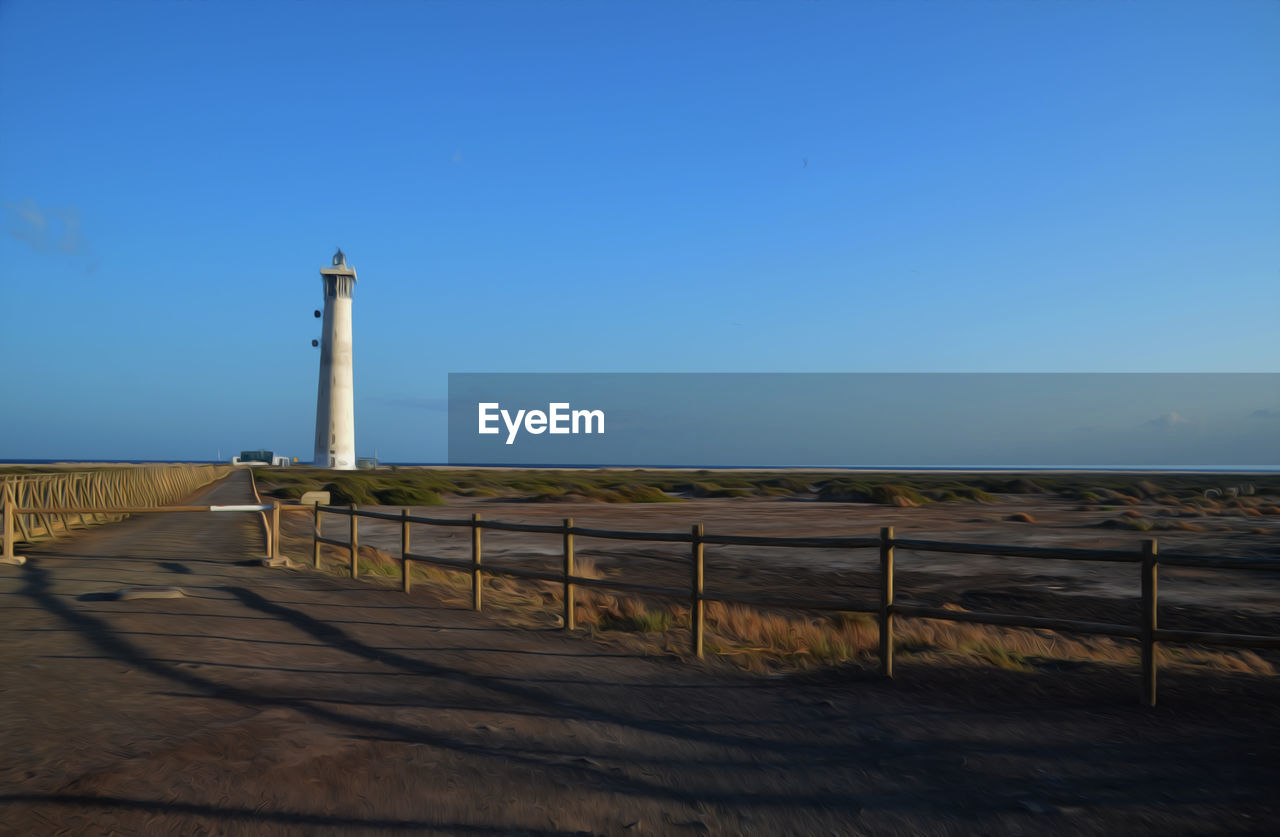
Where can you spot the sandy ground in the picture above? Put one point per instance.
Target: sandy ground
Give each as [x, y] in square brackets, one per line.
[292, 702]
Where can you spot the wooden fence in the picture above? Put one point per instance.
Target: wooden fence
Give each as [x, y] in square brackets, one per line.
[1146, 559]
[66, 500]
[47, 504]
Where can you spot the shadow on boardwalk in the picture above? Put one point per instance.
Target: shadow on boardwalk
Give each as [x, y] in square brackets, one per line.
[269, 702]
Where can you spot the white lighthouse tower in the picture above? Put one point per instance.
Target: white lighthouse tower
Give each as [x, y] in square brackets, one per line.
[335, 398]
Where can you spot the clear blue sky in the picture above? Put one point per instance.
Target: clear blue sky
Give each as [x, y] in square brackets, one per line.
[661, 187]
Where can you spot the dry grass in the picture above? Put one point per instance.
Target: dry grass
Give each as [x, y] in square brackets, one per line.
[771, 641]
[423, 486]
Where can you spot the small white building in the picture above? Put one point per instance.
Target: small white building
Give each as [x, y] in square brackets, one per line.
[260, 457]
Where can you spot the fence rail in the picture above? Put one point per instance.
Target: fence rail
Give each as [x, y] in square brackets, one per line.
[52, 504]
[1146, 557]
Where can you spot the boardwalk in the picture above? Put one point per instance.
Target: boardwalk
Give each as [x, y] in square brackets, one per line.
[271, 701]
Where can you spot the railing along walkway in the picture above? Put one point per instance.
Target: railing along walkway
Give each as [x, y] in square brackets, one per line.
[1146, 558]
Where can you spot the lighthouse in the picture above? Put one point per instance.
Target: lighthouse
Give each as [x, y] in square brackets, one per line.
[335, 396]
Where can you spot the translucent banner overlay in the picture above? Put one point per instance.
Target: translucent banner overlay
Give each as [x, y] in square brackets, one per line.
[855, 420]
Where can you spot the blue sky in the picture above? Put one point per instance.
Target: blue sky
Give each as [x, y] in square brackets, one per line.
[614, 187]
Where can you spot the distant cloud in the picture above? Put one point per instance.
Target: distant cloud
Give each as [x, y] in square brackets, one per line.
[69, 241]
[1273, 415]
[26, 222]
[457, 157]
[1168, 420]
[56, 228]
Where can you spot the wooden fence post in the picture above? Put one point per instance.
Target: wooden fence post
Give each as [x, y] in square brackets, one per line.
[886, 601]
[8, 556]
[696, 604]
[20, 492]
[354, 545]
[8, 522]
[275, 528]
[315, 535]
[1149, 622]
[404, 549]
[477, 577]
[46, 499]
[570, 617]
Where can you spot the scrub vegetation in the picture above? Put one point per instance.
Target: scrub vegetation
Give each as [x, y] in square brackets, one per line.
[1184, 496]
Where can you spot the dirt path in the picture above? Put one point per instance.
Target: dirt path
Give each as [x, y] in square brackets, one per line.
[270, 701]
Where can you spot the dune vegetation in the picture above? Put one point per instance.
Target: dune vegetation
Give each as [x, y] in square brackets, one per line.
[1189, 495]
